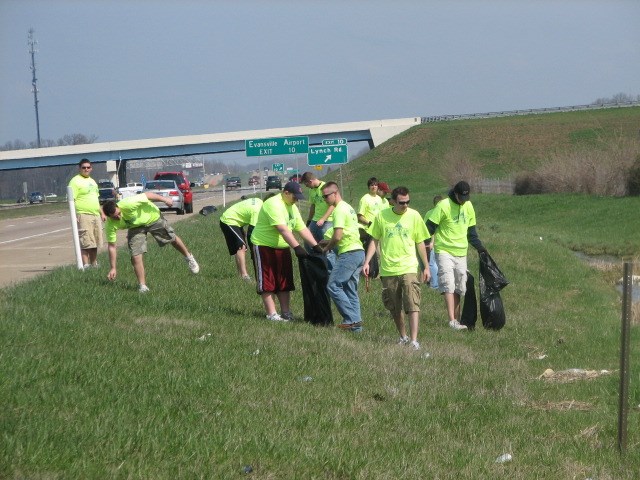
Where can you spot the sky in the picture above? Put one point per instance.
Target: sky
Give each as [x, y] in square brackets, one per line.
[134, 69]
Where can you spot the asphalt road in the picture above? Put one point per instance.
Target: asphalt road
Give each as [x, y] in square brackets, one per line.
[34, 245]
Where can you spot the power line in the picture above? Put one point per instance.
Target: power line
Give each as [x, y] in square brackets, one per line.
[34, 87]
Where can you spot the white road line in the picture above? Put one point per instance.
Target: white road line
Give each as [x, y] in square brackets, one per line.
[34, 236]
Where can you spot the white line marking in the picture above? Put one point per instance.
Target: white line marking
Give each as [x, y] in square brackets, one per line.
[34, 236]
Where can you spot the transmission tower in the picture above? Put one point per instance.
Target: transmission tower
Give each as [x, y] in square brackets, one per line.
[34, 87]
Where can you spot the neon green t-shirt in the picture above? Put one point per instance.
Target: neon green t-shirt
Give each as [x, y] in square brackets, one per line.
[453, 221]
[316, 199]
[136, 211]
[344, 216]
[85, 195]
[242, 213]
[398, 236]
[274, 212]
[369, 207]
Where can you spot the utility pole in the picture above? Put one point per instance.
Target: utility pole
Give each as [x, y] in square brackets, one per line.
[34, 87]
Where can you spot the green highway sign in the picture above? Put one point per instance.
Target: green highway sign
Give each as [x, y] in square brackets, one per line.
[334, 141]
[277, 167]
[276, 146]
[327, 155]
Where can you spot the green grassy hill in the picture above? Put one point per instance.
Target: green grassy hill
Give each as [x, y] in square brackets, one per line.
[190, 380]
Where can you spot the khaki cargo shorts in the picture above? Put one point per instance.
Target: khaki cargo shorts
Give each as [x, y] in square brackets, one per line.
[89, 231]
[160, 230]
[401, 292]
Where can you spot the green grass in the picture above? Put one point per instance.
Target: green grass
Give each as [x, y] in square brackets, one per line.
[98, 381]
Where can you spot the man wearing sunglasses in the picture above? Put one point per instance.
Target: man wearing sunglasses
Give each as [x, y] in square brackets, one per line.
[345, 274]
[400, 230]
[454, 221]
[88, 213]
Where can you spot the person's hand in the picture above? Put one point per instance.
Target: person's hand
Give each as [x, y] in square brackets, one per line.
[300, 251]
[482, 250]
[426, 275]
[112, 274]
[320, 222]
[168, 201]
[365, 269]
[318, 249]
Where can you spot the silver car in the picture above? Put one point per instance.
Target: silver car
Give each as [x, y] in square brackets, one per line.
[167, 188]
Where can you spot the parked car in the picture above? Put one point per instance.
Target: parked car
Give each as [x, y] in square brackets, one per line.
[233, 182]
[106, 191]
[273, 181]
[167, 188]
[132, 188]
[36, 197]
[255, 180]
[183, 185]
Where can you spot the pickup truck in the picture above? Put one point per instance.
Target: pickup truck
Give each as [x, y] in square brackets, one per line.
[132, 188]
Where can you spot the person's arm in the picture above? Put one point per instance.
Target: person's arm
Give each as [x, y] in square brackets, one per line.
[113, 255]
[363, 221]
[334, 240]
[472, 237]
[326, 215]
[154, 197]
[371, 250]
[312, 212]
[426, 273]
[432, 227]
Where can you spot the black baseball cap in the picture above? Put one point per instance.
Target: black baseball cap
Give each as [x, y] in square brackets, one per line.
[295, 188]
[462, 189]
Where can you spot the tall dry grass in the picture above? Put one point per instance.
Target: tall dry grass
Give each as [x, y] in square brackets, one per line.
[594, 171]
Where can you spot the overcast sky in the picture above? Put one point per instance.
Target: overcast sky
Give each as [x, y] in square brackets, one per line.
[133, 69]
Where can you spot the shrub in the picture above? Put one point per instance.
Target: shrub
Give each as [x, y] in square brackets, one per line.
[633, 178]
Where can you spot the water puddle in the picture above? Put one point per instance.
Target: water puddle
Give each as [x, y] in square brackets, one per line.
[606, 262]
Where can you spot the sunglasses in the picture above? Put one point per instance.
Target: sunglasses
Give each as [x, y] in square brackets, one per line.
[327, 195]
[86, 168]
[403, 203]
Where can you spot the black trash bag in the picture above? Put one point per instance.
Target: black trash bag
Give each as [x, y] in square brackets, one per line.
[469, 314]
[492, 312]
[492, 280]
[374, 265]
[314, 277]
[209, 209]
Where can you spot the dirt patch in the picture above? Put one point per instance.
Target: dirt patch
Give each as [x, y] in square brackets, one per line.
[572, 374]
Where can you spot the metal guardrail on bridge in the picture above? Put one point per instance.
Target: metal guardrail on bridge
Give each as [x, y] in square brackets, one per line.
[530, 111]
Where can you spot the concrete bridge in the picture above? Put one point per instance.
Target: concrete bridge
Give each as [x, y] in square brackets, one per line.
[374, 132]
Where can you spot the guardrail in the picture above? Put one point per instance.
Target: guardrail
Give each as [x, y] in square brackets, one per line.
[530, 111]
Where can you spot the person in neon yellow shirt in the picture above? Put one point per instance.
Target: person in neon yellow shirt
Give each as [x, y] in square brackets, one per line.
[400, 232]
[140, 216]
[369, 206]
[454, 221]
[345, 274]
[232, 223]
[272, 236]
[433, 266]
[88, 213]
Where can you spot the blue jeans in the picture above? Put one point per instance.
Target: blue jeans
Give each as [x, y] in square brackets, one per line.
[343, 285]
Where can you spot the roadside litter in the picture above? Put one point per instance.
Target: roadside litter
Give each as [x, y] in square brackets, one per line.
[572, 374]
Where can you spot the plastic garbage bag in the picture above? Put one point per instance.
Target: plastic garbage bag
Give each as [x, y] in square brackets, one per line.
[314, 277]
[492, 280]
[469, 314]
[209, 209]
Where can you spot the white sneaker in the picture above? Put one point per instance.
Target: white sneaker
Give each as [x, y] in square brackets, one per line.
[246, 278]
[274, 317]
[288, 316]
[456, 325]
[143, 289]
[403, 340]
[193, 265]
[415, 345]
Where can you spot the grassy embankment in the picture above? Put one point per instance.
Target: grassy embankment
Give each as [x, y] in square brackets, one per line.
[101, 382]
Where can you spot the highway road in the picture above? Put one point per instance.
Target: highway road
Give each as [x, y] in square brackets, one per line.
[31, 246]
